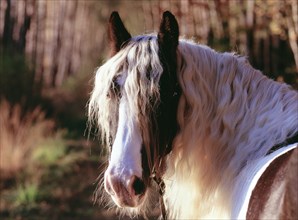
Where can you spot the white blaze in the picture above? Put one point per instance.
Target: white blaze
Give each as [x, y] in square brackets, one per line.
[126, 151]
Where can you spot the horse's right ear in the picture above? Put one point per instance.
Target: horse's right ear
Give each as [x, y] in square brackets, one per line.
[117, 33]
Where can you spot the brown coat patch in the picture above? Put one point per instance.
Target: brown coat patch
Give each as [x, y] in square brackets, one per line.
[275, 195]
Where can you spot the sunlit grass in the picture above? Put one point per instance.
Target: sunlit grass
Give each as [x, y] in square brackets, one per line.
[39, 168]
[20, 134]
[26, 194]
[49, 151]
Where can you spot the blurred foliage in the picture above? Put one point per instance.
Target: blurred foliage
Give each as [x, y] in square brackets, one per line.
[17, 80]
[20, 134]
[50, 151]
[26, 195]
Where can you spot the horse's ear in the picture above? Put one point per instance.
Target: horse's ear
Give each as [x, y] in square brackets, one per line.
[168, 35]
[117, 33]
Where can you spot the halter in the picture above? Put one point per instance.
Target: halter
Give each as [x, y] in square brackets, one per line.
[162, 187]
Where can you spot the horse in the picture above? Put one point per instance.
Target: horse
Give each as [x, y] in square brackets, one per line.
[201, 131]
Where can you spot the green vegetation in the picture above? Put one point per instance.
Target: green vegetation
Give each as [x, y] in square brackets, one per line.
[43, 167]
[17, 79]
[20, 134]
[26, 195]
[49, 152]
[41, 170]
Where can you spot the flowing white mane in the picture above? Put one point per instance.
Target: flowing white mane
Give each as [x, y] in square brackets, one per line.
[229, 115]
[131, 65]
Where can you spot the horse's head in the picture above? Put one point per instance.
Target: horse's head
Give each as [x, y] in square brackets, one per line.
[134, 104]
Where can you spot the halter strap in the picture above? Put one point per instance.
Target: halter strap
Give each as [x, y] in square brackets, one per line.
[162, 187]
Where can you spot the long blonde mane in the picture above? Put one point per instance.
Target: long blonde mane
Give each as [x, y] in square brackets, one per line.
[229, 115]
[132, 65]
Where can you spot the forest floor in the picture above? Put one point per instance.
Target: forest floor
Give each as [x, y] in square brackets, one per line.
[52, 170]
[63, 192]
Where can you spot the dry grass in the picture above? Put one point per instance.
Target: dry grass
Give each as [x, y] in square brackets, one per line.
[20, 133]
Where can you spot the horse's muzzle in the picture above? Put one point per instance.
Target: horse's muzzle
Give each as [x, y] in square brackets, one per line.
[126, 192]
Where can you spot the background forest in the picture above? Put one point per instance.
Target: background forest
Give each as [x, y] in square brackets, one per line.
[49, 50]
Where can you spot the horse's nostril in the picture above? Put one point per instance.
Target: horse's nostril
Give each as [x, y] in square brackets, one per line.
[138, 186]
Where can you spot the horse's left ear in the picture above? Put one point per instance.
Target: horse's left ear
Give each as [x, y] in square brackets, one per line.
[168, 35]
[117, 33]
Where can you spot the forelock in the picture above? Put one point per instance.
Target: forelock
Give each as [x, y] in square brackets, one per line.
[138, 70]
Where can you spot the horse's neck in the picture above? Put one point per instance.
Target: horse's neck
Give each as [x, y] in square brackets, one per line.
[234, 111]
[264, 115]
[228, 114]
[236, 106]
